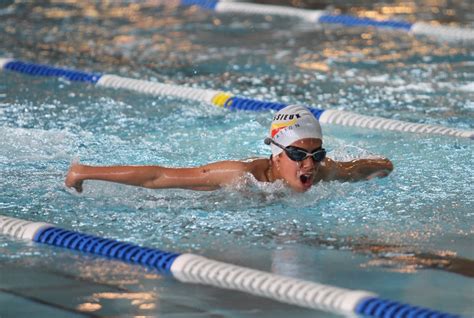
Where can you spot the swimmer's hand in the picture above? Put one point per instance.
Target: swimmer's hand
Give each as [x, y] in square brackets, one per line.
[73, 177]
[374, 168]
[379, 174]
[356, 170]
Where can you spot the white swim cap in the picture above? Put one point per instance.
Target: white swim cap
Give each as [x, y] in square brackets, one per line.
[291, 124]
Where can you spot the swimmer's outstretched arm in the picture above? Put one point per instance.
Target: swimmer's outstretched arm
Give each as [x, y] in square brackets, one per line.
[355, 170]
[208, 177]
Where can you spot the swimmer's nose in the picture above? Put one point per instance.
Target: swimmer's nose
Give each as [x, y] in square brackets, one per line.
[308, 163]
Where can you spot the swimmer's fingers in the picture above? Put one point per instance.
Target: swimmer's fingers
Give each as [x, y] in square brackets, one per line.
[379, 174]
[73, 180]
[78, 186]
[74, 185]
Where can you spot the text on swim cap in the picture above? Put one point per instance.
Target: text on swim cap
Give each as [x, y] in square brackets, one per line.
[276, 128]
[286, 116]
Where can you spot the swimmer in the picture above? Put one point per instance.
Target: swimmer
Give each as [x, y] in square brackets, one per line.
[298, 159]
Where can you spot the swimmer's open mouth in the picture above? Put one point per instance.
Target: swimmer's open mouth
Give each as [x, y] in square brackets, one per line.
[305, 178]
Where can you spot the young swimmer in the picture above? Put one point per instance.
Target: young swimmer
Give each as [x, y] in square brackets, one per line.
[297, 158]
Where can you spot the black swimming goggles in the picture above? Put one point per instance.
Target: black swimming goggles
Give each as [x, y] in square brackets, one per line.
[299, 154]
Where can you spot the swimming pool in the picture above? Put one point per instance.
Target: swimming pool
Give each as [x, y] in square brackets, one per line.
[408, 237]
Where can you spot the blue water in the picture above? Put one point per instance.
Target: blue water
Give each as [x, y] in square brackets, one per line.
[408, 237]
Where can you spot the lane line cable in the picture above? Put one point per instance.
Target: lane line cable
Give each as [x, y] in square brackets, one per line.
[226, 99]
[191, 268]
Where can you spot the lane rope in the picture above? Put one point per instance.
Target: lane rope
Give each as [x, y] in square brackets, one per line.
[226, 99]
[191, 268]
[442, 32]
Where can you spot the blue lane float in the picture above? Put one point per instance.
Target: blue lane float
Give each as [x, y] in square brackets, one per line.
[226, 99]
[45, 70]
[151, 258]
[190, 268]
[239, 103]
[351, 21]
[442, 32]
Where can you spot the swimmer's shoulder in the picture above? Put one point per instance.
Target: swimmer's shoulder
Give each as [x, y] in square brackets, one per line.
[246, 165]
[257, 167]
[254, 160]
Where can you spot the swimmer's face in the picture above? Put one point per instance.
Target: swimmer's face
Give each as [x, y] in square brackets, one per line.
[299, 175]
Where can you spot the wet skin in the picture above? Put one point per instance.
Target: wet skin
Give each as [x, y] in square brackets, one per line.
[298, 175]
[301, 175]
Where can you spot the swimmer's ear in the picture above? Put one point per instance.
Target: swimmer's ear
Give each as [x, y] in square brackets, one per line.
[276, 161]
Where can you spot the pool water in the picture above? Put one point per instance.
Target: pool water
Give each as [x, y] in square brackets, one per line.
[407, 237]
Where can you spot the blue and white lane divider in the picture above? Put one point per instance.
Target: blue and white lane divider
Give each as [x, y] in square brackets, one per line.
[227, 100]
[319, 16]
[190, 268]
